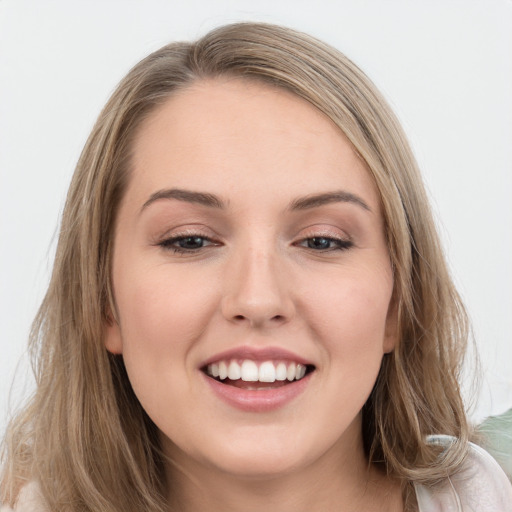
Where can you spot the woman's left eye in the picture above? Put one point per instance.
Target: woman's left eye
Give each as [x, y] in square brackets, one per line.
[184, 244]
[324, 243]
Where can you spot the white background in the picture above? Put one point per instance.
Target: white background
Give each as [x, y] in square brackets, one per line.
[444, 65]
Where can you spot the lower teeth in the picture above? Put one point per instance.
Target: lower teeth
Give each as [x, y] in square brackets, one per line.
[253, 386]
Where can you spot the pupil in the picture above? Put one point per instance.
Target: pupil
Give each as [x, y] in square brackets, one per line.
[191, 242]
[319, 243]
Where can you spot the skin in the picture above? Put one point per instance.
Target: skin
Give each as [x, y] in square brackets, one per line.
[256, 281]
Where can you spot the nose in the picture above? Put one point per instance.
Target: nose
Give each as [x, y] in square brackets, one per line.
[256, 290]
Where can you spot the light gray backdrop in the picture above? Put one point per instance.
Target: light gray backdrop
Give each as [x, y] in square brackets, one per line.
[445, 66]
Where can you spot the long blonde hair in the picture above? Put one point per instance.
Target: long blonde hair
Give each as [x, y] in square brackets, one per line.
[84, 436]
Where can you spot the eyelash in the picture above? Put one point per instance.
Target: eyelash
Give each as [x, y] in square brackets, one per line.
[168, 244]
[339, 243]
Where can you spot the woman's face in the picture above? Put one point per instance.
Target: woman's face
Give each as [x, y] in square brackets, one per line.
[250, 242]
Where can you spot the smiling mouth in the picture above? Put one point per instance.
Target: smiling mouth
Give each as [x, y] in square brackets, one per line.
[255, 376]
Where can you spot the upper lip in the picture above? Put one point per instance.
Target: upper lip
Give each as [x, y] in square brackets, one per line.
[256, 354]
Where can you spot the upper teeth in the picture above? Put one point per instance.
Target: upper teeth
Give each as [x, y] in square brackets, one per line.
[249, 371]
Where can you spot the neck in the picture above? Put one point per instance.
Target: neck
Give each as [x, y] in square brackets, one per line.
[332, 483]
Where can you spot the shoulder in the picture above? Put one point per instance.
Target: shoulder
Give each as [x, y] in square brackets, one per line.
[480, 485]
[29, 500]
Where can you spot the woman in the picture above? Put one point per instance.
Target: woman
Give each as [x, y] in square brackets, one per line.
[249, 306]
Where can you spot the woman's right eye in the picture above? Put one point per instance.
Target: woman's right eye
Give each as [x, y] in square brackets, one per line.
[186, 244]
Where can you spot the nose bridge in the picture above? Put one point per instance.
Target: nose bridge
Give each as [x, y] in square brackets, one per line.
[256, 290]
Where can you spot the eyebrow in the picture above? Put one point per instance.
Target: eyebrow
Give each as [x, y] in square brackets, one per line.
[316, 200]
[301, 203]
[188, 196]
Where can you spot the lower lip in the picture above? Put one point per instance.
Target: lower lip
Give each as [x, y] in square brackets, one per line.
[262, 400]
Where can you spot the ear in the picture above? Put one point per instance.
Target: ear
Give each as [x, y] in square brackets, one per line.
[391, 329]
[112, 335]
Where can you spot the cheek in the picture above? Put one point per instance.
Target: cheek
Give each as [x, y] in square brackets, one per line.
[364, 301]
[163, 313]
[350, 317]
[162, 318]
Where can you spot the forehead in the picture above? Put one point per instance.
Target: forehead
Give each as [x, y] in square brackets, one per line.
[223, 131]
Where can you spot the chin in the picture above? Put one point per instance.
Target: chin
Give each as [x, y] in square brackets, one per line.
[256, 465]
[262, 454]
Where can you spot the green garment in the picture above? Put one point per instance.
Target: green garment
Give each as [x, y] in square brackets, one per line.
[496, 432]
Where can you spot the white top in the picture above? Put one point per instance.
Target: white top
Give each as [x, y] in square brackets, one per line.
[481, 486]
